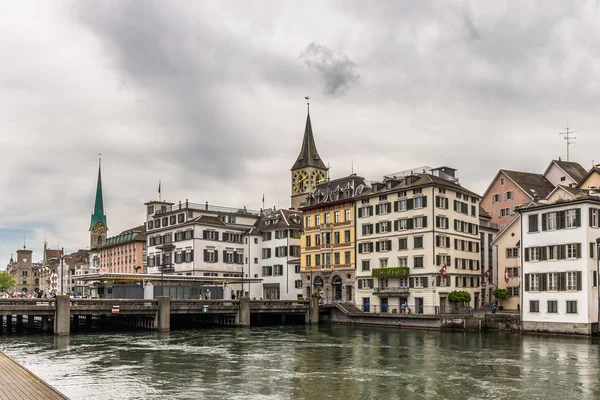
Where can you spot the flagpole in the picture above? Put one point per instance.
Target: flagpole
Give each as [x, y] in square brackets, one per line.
[159, 193]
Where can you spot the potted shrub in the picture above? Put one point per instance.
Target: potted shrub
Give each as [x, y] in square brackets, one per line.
[501, 295]
[459, 298]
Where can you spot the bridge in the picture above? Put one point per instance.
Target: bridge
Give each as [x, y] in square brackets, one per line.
[60, 313]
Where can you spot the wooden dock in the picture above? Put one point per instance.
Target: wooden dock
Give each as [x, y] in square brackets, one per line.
[18, 383]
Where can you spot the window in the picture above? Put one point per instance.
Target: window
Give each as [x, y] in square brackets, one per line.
[317, 240]
[327, 218]
[336, 237]
[552, 281]
[594, 218]
[502, 181]
[384, 208]
[173, 220]
[508, 195]
[347, 215]
[533, 223]
[403, 224]
[571, 307]
[383, 263]
[534, 306]
[512, 252]
[266, 253]
[298, 284]
[553, 252]
[317, 219]
[534, 254]
[366, 265]
[551, 221]
[505, 212]
[157, 223]
[308, 241]
[308, 260]
[336, 217]
[552, 306]
[418, 242]
[403, 243]
[384, 245]
[308, 221]
[571, 216]
[347, 236]
[573, 250]
[419, 202]
[336, 258]
[277, 270]
[441, 202]
[495, 198]
[347, 257]
[418, 262]
[402, 205]
[403, 261]
[534, 282]
[150, 224]
[419, 222]
[267, 270]
[366, 211]
[513, 291]
[572, 281]
[383, 227]
[441, 222]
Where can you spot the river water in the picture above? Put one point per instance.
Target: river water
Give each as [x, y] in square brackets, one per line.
[325, 362]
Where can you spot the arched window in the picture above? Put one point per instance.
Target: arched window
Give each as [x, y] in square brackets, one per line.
[99, 240]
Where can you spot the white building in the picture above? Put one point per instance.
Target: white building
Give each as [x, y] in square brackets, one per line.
[560, 265]
[198, 239]
[489, 264]
[408, 227]
[275, 252]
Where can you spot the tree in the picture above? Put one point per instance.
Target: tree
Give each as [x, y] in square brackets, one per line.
[461, 297]
[501, 294]
[7, 282]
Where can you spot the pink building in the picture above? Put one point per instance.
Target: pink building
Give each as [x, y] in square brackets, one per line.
[125, 253]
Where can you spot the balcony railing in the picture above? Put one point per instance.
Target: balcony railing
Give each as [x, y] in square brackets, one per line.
[488, 224]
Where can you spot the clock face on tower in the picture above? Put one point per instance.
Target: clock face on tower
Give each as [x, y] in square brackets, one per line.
[316, 177]
[299, 181]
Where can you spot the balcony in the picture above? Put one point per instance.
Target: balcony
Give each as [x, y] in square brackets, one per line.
[488, 224]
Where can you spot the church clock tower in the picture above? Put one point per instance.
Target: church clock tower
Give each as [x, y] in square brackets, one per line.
[308, 170]
[98, 226]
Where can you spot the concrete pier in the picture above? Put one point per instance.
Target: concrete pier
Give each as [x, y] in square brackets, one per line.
[313, 311]
[164, 313]
[62, 320]
[244, 312]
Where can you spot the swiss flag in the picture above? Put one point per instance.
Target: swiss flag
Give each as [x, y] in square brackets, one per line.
[506, 275]
[488, 273]
[443, 271]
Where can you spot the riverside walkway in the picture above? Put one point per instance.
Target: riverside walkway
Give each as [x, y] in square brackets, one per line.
[18, 383]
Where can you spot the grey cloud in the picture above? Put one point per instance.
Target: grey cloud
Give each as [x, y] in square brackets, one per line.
[337, 72]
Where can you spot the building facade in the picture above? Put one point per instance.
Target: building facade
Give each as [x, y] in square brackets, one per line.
[409, 227]
[507, 247]
[25, 272]
[279, 236]
[308, 170]
[327, 262]
[124, 253]
[198, 239]
[487, 231]
[559, 247]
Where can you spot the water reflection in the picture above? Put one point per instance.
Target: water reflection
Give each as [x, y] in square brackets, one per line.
[337, 362]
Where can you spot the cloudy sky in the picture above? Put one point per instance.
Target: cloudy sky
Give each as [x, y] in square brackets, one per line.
[209, 98]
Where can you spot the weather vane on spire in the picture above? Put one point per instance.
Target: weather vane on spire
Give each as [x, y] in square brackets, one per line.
[307, 102]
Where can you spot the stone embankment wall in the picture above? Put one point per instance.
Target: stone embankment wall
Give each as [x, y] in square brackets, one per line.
[502, 321]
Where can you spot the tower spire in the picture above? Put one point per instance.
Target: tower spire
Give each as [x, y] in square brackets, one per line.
[99, 215]
[308, 157]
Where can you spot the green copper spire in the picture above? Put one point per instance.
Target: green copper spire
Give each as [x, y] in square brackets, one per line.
[99, 215]
[308, 157]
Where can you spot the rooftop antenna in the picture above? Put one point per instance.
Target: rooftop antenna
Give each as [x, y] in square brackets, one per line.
[569, 139]
[352, 165]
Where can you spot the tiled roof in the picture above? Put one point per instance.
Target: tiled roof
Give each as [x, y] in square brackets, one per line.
[573, 169]
[336, 191]
[483, 213]
[209, 220]
[280, 219]
[595, 170]
[533, 184]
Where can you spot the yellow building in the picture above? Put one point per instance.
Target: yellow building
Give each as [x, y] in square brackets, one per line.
[328, 243]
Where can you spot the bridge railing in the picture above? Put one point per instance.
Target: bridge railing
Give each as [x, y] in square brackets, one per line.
[114, 302]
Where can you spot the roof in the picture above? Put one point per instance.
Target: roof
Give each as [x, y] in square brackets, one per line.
[531, 184]
[573, 191]
[337, 191]
[308, 157]
[483, 213]
[595, 169]
[580, 198]
[415, 181]
[280, 219]
[573, 169]
[517, 217]
[209, 220]
[137, 234]
[98, 215]
[81, 256]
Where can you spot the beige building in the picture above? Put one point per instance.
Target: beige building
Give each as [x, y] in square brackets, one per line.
[24, 271]
[507, 245]
[408, 227]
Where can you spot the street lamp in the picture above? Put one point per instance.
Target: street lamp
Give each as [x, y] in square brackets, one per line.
[62, 270]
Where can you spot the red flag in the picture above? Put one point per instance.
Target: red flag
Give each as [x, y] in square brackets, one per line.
[506, 275]
[488, 273]
[443, 271]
